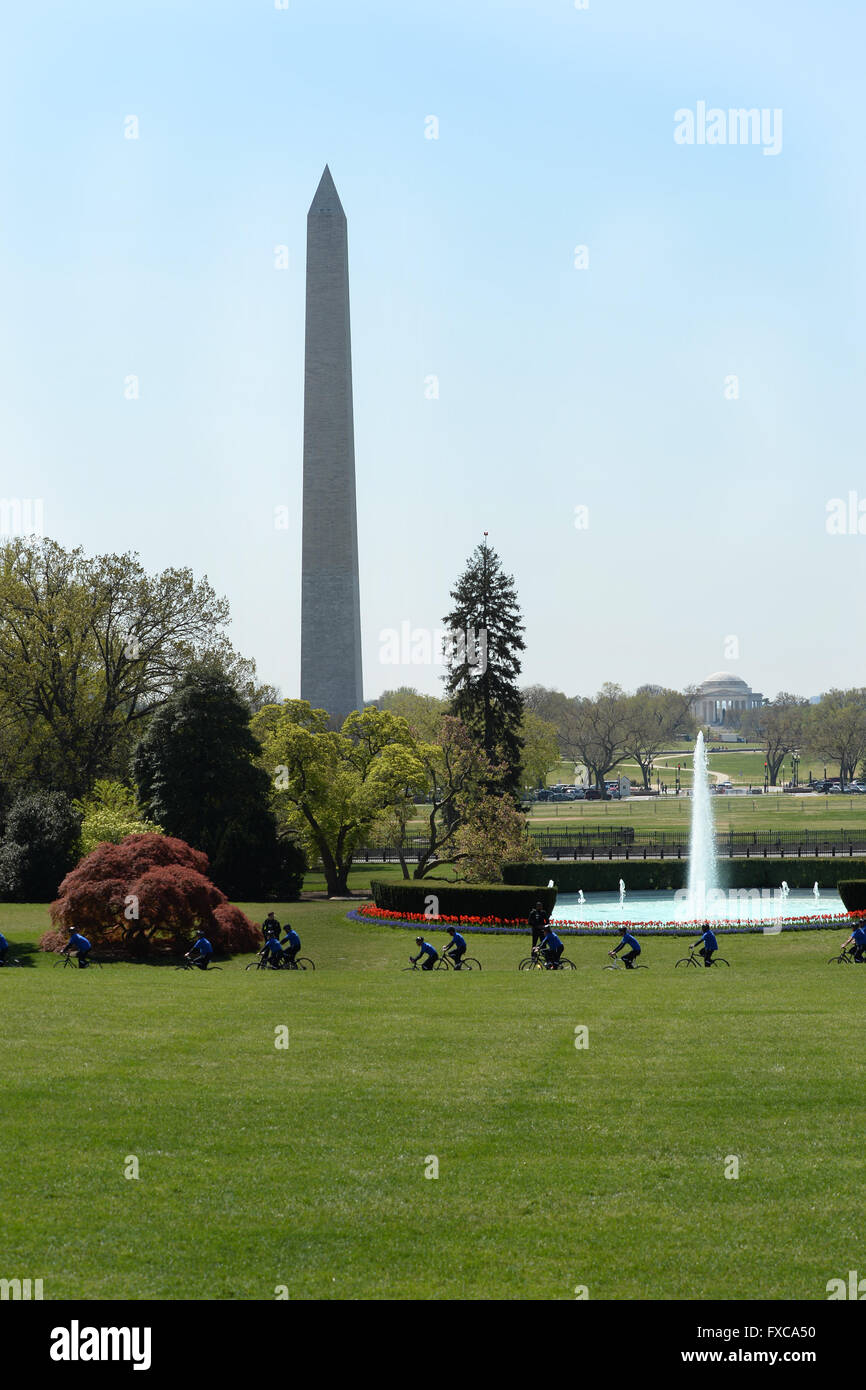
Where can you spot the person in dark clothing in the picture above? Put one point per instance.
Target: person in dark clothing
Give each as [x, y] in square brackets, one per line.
[538, 920]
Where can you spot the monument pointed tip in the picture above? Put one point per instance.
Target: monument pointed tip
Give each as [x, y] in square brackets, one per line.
[327, 199]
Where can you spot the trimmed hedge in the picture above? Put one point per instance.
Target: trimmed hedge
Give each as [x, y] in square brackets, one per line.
[603, 875]
[852, 891]
[512, 902]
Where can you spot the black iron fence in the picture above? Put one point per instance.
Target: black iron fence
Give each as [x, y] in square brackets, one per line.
[625, 842]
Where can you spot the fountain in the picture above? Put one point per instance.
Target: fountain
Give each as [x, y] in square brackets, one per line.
[703, 875]
[702, 898]
[816, 891]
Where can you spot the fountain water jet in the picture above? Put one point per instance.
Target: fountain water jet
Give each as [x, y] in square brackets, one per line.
[703, 874]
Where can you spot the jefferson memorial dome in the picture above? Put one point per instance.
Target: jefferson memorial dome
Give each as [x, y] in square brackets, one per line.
[719, 693]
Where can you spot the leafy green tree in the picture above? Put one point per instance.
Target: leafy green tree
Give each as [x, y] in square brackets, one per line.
[330, 786]
[484, 661]
[540, 749]
[109, 813]
[89, 648]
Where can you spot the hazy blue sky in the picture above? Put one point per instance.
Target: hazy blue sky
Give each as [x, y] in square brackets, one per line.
[559, 387]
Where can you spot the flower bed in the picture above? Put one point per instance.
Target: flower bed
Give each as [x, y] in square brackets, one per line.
[368, 912]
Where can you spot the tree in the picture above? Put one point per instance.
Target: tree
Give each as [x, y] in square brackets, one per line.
[780, 725]
[492, 832]
[150, 892]
[540, 749]
[653, 717]
[89, 648]
[329, 787]
[596, 732]
[39, 846]
[484, 662]
[837, 729]
[110, 812]
[423, 713]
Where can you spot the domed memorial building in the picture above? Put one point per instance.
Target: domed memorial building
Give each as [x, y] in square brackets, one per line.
[720, 693]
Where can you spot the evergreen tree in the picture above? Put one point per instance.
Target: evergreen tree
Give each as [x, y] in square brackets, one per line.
[486, 639]
[196, 775]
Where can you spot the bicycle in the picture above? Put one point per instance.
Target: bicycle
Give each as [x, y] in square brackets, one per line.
[299, 963]
[446, 962]
[694, 959]
[539, 962]
[437, 965]
[845, 957]
[185, 964]
[617, 964]
[66, 960]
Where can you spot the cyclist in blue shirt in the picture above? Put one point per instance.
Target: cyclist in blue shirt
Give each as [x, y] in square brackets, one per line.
[710, 944]
[550, 946]
[4, 949]
[426, 950]
[457, 948]
[80, 945]
[272, 952]
[857, 939]
[203, 951]
[633, 949]
[291, 945]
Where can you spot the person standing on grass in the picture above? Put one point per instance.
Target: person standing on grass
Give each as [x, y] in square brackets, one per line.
[270, 926]
[538, 920]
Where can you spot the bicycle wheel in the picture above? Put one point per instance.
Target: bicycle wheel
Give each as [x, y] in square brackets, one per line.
[685, 960]
[442, 964]
[304, 963]
[839, 960]
[470, 963]
[720, 960]
[564, 964]
[530, 963]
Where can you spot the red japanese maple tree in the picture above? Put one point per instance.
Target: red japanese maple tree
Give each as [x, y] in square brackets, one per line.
[149, 893]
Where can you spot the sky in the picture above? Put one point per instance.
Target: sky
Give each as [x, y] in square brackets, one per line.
[660, 432]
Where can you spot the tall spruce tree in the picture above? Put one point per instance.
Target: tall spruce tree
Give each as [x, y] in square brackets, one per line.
[486, 630]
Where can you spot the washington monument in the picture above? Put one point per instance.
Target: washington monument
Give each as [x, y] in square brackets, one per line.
[330, 601]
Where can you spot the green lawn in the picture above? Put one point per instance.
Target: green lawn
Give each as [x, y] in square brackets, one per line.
[557, 1167]
[771, 812]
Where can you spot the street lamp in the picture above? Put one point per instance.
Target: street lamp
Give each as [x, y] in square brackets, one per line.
[766, 777]
[795, 767]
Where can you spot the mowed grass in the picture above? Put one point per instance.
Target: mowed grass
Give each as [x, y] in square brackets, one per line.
[558, 1167]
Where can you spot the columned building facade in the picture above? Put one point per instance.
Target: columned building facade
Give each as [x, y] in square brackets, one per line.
[720, 694]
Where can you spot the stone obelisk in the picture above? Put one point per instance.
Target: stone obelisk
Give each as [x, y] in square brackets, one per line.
[330, 601]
